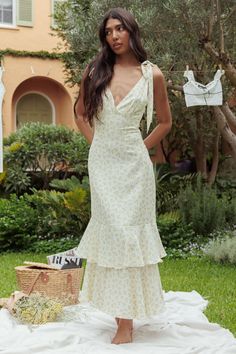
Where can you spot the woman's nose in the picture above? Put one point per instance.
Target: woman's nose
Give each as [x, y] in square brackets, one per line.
[114, 34]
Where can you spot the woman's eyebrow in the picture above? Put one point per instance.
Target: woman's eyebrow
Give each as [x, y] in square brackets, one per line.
[107, 28]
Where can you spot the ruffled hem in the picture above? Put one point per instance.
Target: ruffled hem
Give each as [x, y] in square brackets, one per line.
[121, 246]
[126, 293]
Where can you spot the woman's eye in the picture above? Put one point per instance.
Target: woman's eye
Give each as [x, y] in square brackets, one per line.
[119, 28]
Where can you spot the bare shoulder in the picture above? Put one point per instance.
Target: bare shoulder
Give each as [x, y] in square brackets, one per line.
[158, 76]
[159, 84]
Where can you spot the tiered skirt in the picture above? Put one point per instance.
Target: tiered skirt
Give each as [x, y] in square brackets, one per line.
[122, 276]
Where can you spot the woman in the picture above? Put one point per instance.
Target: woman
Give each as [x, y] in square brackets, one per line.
[121, 242]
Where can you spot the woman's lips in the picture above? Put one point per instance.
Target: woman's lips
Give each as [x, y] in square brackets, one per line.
[116, 46]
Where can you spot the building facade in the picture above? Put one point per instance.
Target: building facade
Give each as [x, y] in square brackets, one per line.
[34, 82]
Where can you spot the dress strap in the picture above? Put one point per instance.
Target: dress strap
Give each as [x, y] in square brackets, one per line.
[148, 75]
[189, 75]
[218, 74]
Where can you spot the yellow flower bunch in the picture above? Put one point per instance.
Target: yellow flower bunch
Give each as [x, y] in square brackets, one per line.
[37, 309]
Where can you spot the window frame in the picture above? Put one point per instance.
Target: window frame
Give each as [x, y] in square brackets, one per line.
[23, 23]
[13, 25]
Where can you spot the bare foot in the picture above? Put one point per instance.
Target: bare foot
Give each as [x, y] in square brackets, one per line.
[124, 331]
[118, 320]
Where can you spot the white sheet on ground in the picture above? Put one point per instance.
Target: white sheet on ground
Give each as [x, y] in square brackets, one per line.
[181, 329]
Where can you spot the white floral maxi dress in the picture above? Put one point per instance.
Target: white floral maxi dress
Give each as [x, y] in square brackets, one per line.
[121, 242]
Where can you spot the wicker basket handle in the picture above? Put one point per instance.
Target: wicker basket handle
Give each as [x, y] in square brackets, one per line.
[28, 292]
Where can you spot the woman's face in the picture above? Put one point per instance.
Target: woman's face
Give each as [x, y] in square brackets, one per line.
[117, 36]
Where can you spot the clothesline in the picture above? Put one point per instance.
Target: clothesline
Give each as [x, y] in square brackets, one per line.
[171, 71]
[196, 71]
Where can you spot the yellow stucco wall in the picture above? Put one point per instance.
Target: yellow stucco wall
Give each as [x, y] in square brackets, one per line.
[33, 38]
[24, 75]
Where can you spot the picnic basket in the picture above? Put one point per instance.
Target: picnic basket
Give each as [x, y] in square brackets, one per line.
[46, 279]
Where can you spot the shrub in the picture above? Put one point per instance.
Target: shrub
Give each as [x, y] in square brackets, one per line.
[200, 206]
[62, 214]
[230, 210]
[222, 248]
[175, 234]
[226, 187]
[27, 220]
[168, 184]
[38, 152]
[54, 246]
[18, 223]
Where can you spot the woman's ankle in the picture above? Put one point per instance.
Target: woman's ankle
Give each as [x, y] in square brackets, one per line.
[123, 322]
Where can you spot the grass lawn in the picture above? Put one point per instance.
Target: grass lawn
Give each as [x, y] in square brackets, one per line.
[216, 283]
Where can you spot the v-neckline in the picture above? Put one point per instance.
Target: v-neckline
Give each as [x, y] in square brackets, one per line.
[128, 94]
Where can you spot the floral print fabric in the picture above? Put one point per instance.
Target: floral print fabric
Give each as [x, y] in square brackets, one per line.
[121, 243]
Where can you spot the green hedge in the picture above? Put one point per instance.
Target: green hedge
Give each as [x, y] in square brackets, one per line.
[175, 234]
[58, 216]
[201, 206]
[37, 153]
[18, 223]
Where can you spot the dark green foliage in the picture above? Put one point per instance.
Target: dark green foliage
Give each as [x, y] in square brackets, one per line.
[69, 184]
[226, 187]
[49, 216]
[165, 197]
[38, 152]
[174, 233]
[62, 214]
[168, 185]
[201, 207]
[53, 246]
[16, 180]
[18, 222]
[230, 210]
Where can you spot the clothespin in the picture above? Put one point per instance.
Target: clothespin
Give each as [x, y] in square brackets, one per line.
[187, 68]
[220, 66]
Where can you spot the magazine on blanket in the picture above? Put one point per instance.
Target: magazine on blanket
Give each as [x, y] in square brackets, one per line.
[65, 260]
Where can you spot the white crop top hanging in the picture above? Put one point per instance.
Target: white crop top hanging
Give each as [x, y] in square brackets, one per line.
[197, 94]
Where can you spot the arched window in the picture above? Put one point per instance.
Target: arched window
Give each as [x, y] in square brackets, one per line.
[33, 107]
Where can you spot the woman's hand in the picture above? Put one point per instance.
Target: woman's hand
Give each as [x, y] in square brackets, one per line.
[158, 156]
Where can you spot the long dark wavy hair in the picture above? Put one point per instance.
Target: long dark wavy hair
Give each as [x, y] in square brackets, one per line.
[99, 72]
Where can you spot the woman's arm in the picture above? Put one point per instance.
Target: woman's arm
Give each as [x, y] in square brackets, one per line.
[83, 126]
[163, 114]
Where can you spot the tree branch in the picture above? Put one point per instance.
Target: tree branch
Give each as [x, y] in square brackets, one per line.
[221, 29]
[211, 21]
[225, 130]
[223, 59]
[230, 14]
[215, 159]
[229, 115]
